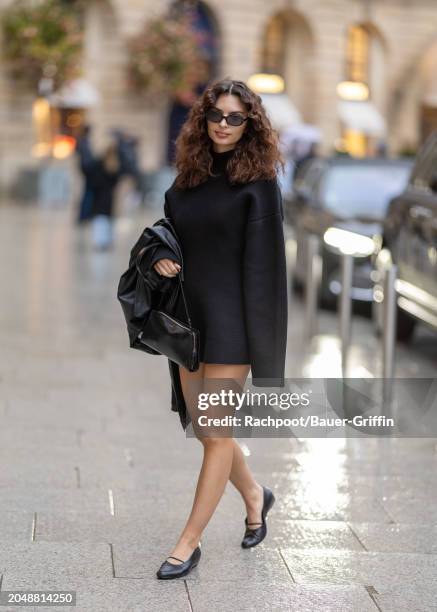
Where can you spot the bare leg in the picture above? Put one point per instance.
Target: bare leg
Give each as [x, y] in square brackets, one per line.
[244, 481]
[218, 457]
[241, 475]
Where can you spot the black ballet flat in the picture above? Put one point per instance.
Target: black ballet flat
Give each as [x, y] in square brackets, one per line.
[252, 537]
[167, 571]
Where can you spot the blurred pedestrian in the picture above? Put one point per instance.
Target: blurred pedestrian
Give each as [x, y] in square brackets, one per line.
[381, 149]
[307, 153]
[127, 147]
[86, 161]
[298, 144]
[105, 174]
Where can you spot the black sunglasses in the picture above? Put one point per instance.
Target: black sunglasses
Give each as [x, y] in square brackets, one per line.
[215, 115]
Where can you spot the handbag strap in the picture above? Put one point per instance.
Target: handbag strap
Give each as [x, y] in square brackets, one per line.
[178, 286]
[181, 285]
[174, 295]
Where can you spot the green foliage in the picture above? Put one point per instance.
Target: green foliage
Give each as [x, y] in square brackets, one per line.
[165, 58]
[43, 39]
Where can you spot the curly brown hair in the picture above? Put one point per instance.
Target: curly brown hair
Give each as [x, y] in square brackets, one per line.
[256, 154]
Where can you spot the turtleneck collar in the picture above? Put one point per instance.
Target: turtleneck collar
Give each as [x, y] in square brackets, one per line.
[219, 160]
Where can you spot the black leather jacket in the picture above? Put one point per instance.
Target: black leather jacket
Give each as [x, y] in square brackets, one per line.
[138, 298]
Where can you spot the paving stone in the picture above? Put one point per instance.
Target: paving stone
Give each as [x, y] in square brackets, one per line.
[43, 474]
[312, 534]
[45, 413]
[169, 503]
[108, 476]
[376, 466]
[16, 526]
[141, 479]
[334, 535]
[34, 498]
[354, 485]
[131, 470]
[54, 428]
[136, 595]
[73, 526]
[62, 561]
[419, 596]
[379, 446]
[320, 505]
[245, 597]
[33, 438]
[135, 527]
[149, 458]
[233, 564]
[367, 568]
[101, 594]
[397, 538]
[417, 509]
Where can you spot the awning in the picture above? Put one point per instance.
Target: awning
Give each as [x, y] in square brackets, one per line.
[78, 93]
[280, 109]
[362, 117]
[297, 140]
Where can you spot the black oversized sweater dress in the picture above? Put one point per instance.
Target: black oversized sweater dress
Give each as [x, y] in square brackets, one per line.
[235, 272]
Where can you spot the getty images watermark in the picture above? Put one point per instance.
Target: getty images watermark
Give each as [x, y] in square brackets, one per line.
[334, 407]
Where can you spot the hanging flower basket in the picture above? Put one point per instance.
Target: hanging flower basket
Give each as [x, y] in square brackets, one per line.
[42, 40]
[165, 58]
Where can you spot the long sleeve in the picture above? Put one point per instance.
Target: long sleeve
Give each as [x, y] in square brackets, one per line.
[162, 251]
[265, 285]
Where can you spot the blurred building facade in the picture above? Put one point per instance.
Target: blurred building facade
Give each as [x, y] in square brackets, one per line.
[389, 47]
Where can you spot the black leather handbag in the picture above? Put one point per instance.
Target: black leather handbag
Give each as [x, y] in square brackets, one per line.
[167, 335]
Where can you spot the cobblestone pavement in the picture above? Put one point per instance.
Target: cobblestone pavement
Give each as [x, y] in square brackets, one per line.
[97, 476]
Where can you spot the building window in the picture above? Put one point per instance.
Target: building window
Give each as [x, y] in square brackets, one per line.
[357, 54]
[272, 51]
[355, 143]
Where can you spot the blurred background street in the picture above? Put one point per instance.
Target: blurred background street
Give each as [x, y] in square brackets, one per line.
[97, 476]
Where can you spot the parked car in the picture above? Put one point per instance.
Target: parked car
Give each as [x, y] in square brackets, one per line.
[410, 242]
[343, 201]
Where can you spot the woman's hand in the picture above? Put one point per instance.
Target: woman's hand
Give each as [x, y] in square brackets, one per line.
[167, 267]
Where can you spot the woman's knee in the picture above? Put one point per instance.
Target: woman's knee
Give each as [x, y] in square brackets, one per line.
[216, 441]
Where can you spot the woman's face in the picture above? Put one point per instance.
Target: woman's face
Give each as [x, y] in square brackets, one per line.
[226, 136]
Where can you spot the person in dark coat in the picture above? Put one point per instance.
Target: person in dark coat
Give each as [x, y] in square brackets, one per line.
[225, 205]
[86, 161]
[127, 148]
[104, 176]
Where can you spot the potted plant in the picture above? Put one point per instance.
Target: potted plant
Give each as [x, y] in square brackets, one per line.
[165, 59]
[42, 40]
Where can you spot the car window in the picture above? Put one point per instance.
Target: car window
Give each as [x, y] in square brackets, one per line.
[423, 175]
[306, 179]
[362, 190]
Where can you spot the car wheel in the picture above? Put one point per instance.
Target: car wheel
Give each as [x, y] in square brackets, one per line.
[405, 325]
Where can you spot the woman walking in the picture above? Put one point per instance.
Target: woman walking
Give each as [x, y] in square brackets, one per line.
[226, 208]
